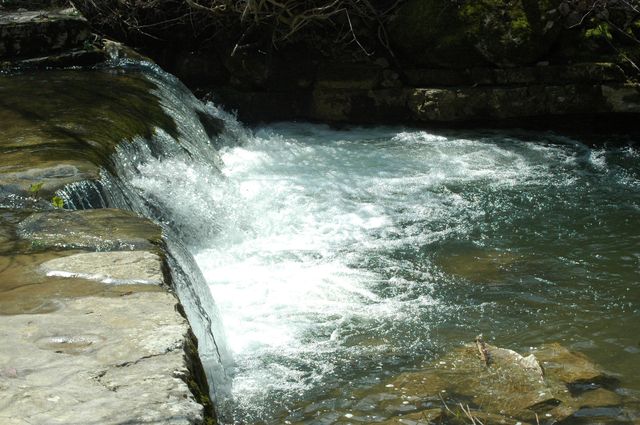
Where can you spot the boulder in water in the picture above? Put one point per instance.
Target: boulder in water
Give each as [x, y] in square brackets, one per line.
[498, 385]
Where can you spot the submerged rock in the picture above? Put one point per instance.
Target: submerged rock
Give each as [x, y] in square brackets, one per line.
[479, 265]
[499, 386]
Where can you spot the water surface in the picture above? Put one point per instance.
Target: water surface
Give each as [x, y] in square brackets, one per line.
[340, 258]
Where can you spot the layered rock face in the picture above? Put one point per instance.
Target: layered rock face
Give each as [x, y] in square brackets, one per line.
[378, 94]
[27, 33]
[425, 62]
[50, 36]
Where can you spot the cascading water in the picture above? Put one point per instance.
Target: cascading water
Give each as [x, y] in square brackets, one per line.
[194, 149]
[338, 258]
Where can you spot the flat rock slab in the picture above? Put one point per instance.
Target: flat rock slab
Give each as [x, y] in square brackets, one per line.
[100, 230]
[98, 360]
[116, 267]
[26, 289]
[28, 33]
[60, 239]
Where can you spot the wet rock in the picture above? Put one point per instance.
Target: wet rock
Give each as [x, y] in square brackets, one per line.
[35, 239]
[425, 417]
[508, 385]
[116, 267]
[98, 360]
[54, 132]
[502, 386]
[25, 289]
[569, 367]
[599, 397]
[97, 230]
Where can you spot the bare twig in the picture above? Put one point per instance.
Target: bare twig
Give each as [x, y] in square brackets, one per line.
[445, 404]
[482, 349]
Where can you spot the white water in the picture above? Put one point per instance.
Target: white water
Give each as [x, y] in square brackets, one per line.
[320, 247]
[305, 267]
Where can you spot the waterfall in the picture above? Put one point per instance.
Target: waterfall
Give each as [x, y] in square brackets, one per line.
[195, 146]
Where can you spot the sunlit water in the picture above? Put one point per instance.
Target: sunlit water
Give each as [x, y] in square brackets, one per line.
[340, 258]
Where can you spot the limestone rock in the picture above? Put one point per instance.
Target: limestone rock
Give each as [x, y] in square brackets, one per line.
[505, 102]
[97, 230]
[29, 240]
[98, 360]
[116, 267]
[52, 130]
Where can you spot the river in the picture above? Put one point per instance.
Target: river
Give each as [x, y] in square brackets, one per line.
[338, 258]
[328, 261]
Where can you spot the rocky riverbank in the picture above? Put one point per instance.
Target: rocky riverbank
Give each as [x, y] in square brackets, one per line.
[92, 330]
[95, 331]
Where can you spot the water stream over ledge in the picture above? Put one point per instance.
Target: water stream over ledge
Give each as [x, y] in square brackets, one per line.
[338, 259]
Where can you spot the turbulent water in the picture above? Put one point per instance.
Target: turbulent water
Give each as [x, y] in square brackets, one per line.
[339, 258]
[345, 256]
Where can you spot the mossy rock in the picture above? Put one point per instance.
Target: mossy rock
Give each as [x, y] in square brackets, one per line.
[513, 32]
[469, 33]
[433, 33]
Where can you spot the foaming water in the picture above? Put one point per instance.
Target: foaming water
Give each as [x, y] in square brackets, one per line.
[327, 261]
[342, 256]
